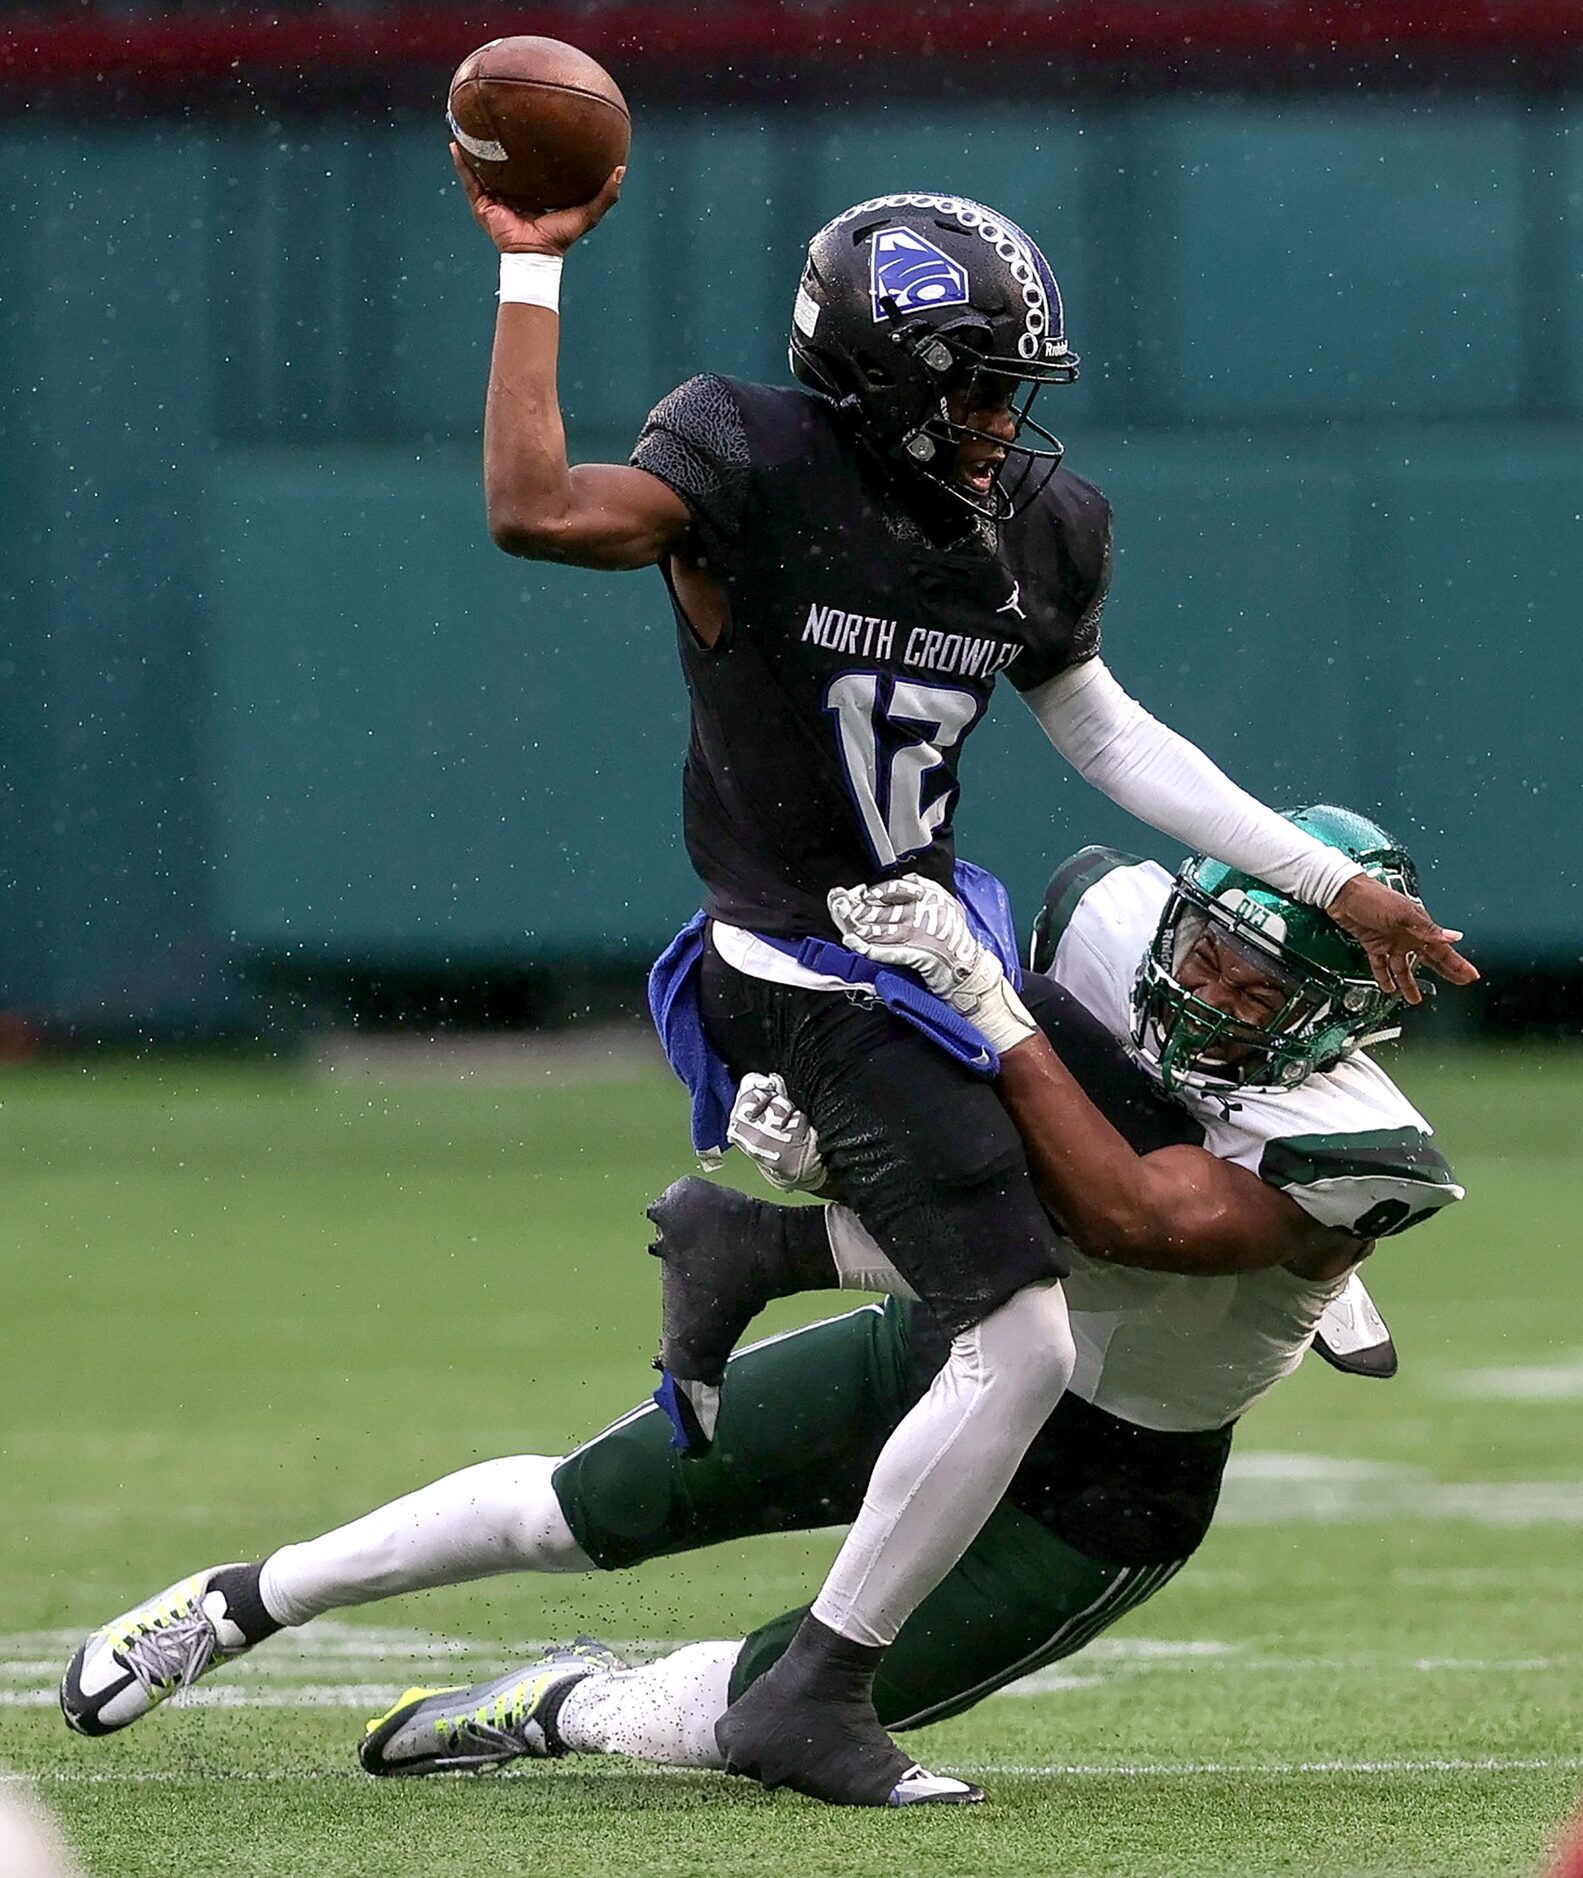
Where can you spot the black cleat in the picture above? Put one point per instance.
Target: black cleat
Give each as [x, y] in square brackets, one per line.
[809, 1723]
[712, 1242]
[725, 1257]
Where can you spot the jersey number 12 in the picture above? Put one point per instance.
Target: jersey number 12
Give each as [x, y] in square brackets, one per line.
[892, 733]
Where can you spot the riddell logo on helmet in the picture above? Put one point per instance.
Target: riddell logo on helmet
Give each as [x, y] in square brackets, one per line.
[909, 274]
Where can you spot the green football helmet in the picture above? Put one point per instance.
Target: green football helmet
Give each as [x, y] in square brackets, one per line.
[1333, 1006]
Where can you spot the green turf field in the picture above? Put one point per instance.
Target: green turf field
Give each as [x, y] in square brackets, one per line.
[243, 1306]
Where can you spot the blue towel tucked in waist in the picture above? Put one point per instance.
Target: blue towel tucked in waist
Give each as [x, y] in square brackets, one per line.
[673, 1004]
[673, 1000]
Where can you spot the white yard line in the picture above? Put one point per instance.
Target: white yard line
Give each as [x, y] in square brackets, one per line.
[238, 1691]
[1034, 1770]
[1281, 1489]
[1084, 1671]
[366, 1664]
[1484, 1764]
[333, 1636]
[363, 1695]
[1530, 1382]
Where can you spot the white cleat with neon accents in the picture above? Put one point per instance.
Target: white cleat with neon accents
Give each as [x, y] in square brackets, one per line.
[448, 1731]
[131, 1664]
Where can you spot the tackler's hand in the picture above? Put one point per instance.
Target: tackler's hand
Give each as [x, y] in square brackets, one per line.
[776, 1136]
[1398, 933]
[914, 923]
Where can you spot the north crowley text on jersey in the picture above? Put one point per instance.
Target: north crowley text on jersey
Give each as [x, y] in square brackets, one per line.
[861, 635]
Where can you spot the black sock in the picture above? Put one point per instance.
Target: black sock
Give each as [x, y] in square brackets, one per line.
[238, 1584]
[809, 1723]
[830, 1667]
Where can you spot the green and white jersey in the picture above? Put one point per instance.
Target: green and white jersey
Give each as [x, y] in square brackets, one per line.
[1178, 1353]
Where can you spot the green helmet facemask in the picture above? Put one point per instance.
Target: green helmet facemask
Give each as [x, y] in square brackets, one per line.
[1332, 1004]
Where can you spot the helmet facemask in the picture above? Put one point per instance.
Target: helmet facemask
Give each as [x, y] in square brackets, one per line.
[1190, 1043]
[955, 361]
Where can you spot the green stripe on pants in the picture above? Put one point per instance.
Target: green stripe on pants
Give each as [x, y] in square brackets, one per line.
[1018, 1598]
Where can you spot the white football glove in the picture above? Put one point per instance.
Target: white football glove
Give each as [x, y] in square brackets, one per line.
[915, 923]
[776, 1136]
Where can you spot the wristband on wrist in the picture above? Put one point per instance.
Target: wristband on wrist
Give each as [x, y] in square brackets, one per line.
[987, 998]
[1004, 1018]
[531, 280]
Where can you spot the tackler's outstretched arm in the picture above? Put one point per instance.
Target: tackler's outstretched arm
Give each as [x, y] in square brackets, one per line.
[1179, 1209]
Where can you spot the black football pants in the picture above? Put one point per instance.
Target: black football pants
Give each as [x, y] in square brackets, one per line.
[920, 1148]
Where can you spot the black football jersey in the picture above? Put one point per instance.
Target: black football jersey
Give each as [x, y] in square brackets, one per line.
[829, 719]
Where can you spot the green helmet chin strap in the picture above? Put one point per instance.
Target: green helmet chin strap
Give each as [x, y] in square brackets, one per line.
[1332, 1005]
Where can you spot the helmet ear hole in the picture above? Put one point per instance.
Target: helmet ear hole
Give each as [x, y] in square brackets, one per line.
[873, 370]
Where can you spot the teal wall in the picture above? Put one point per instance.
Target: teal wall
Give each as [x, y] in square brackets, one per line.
[268, 686]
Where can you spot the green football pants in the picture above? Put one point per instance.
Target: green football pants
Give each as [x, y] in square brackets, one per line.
[802, 1418]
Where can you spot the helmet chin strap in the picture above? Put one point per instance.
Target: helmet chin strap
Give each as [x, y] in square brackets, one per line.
[920, 451]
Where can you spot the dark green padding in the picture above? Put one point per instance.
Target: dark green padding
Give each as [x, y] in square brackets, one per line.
[1070, 881]
[802, 1418]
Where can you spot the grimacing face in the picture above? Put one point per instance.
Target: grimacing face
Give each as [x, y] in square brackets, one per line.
[1231, 981]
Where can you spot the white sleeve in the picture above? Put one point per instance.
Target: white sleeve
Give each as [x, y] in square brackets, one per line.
[1112, 742]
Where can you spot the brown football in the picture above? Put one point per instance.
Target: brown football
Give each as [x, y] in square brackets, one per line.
[542, 124]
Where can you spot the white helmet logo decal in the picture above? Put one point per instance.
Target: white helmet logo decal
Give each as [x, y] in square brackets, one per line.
[1249, 912]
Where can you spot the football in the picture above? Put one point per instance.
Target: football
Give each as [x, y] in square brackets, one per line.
[542, 124]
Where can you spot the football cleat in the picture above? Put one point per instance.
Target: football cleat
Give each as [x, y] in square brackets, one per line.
[1353, 1337]
[713, 1287]
[809, 1723]
[134, 1662]
[918, 1787]
[466, 1730]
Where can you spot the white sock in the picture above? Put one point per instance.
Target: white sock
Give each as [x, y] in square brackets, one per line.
[859, 1262]
[664, 1711]
[501, 1516]
[947, 1463]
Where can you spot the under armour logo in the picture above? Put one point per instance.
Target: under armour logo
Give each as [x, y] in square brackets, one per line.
[1013, 605]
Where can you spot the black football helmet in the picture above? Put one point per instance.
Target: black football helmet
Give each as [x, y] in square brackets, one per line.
[906, 297]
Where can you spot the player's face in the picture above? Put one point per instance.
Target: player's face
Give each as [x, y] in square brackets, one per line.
[984, 404]
[1217, 972]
